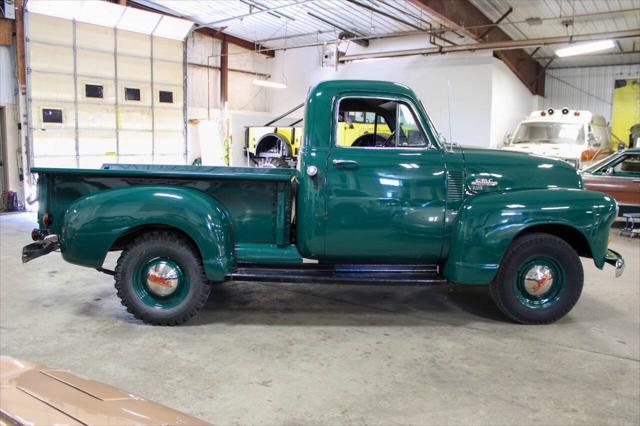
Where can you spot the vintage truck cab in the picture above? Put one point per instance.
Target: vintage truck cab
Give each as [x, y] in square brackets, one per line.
[393, 207]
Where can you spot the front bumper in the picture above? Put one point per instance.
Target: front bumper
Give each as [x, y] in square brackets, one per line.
[614, 258]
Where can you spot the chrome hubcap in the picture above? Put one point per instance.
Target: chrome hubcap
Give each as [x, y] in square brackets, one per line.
[538, 280]
[162, 279]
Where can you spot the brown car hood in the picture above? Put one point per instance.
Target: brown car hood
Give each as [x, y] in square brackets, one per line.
[34, 394]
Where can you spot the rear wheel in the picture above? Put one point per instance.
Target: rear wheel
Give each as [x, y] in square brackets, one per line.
[160, 279]
[539, 281]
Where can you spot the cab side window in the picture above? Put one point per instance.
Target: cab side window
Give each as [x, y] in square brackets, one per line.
[377, 123]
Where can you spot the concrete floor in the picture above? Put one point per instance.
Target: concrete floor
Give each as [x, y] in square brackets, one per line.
[302, 354]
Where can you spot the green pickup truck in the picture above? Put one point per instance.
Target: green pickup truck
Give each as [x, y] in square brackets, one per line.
[403, 209]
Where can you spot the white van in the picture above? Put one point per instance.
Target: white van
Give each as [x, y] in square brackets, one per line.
[577, 137]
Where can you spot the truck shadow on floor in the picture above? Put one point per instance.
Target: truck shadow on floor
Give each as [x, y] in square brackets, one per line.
[300, 304]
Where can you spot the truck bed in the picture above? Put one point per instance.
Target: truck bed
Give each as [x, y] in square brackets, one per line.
[258, 200]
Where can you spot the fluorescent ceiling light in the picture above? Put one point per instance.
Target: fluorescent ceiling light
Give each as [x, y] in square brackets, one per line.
[269, 83]
[584, 48]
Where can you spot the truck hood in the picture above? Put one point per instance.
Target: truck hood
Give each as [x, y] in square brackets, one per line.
[556, 150]
[490, 170]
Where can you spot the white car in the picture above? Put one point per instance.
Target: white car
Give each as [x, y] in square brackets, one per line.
[577, 137]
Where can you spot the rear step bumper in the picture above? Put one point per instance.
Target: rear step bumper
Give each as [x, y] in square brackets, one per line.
[40, 248]
[411, 275]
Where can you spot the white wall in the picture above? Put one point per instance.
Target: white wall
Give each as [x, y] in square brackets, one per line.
[7, 76]
[11, 136]
[511, 101]
[467, 78]
[589, 88]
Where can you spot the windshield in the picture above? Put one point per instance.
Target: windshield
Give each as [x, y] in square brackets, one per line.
[550, 133]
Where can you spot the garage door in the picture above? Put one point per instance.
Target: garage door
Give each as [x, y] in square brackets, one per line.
[101, 94]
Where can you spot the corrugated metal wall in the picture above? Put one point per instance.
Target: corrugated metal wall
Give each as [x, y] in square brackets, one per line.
[585, 88]
[66, 59]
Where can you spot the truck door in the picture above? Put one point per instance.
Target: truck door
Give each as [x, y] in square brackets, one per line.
[385, 189]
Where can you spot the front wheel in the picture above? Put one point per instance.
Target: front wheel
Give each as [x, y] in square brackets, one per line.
[539, 281]
[160, 279]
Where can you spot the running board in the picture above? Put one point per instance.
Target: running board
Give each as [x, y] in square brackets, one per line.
[410, 275]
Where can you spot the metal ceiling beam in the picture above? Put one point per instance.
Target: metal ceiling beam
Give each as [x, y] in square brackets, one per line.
[495, 24]
[458, 15]
[269, 10]
[395, 18]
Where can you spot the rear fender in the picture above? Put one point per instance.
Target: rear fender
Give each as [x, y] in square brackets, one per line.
[94, 222]
[488, 223]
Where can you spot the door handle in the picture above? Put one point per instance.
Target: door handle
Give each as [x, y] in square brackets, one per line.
[345, 164]
[636, 180]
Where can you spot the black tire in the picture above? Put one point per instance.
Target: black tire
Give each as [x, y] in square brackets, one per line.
[192, 288]
[538, 251]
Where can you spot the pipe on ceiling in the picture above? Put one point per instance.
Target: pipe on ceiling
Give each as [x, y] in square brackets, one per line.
[497, 45]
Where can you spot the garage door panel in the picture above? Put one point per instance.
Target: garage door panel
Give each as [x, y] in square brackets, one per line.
[112, 84]
[97, 142]
[95, 161]
[134, 68]
[130, 118]
[53, 142]
[136, 159]
[51, 86]
[95, 63]
[96, 116]
[167, 72]
[66, 162]
[169, 142]
[131, 43]
[94, 37]
[135, 143]
[175, 159]
[168, 119]
[44, 57]
[50, 29]
[164, 48]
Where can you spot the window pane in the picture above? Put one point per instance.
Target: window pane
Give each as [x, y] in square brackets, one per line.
[631, 164]
[357, 126]
[131, 94]
[93, 91]
[166, 97]
[51, 115]
[409, 133]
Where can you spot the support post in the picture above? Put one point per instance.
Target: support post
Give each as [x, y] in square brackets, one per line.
[224, 72]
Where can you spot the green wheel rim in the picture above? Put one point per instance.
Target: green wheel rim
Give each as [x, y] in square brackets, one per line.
[540, 282]
[160, 282]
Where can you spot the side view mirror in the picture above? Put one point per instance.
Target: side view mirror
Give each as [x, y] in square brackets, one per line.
[350, 124]
[507, 139]
[608, 171]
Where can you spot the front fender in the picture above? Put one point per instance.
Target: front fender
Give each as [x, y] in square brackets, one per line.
[488, 223]
[94, 222]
